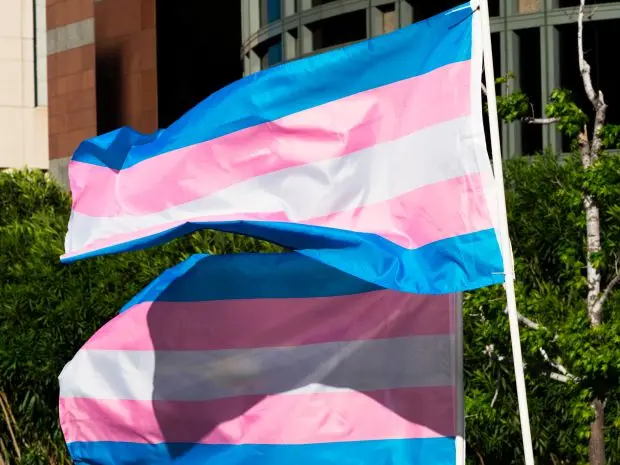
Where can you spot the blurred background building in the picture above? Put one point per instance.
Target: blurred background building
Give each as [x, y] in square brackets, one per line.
[23, 84]
[535, 39]
[71, 69]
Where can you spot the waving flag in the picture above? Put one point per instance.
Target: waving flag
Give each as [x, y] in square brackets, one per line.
[267, 360]
[376, 151]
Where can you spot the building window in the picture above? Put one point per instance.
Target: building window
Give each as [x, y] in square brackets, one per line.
[494, 9]
[575, 3]
[274, 53]
[339, 30]
[270, 11]
[270, 52]
[424, 9]
[599, 42]
[320, 2]
[529, 81]
[528, 6]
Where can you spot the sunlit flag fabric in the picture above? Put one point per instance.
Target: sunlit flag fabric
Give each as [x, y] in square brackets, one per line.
[376, 150]
[267, 359]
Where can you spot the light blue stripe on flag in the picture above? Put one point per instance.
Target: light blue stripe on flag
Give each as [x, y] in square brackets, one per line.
[286, 89]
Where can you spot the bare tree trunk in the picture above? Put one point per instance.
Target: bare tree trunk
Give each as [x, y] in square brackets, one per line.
[593, 239]
[596, 446]
[589, 154]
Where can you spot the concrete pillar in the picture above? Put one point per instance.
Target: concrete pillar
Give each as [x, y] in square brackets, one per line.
[245, 21]
[254, 62]
[246, 65]
[405, 13]
[550, 79]
[511, 132]
[288, 8]
[305, 40]
[375, 22]
[384, 21]
[253, 15]
[290, 46]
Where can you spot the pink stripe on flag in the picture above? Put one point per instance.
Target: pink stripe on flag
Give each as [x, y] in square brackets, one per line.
[431, 213]
[332, 130]
[434, 212]
[282, 419]
[243, 324]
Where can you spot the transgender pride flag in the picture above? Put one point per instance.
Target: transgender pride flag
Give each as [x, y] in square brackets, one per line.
[370, 158]
[268, 360]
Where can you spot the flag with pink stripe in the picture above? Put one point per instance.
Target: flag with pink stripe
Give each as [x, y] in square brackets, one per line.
[375, 151]
[267, 359]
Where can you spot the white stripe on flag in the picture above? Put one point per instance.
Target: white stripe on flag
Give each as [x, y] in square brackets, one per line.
[416, 361]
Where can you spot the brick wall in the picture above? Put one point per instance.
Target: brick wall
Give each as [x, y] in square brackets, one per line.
[102, 72]
[71, 75]
[126, 64]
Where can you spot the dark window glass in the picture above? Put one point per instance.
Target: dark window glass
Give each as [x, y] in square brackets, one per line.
[339, 30]
[494, 7]
[424, 9]
[321, 2]
[270, 52]
[575, 3]
[599, 43]
[185, 31]
[529, 79]
[274, 53]
[274, 10]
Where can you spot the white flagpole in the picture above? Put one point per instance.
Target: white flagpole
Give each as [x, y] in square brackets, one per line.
[457, 312]
[503, 233]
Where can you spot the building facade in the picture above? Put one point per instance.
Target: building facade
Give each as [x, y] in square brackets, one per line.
[72, 69]
[534, 39]
[101, 62]
[114, 63]
[23, 84]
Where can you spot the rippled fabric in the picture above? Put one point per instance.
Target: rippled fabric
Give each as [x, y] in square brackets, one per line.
[370, 158]
[267, 359]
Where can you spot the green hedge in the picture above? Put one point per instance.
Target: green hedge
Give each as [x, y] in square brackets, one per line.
[48, 310]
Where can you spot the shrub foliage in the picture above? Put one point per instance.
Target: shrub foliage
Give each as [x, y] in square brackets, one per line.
[48, 310]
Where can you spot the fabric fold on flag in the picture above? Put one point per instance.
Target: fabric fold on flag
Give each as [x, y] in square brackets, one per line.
[370, 158]
[267, 359]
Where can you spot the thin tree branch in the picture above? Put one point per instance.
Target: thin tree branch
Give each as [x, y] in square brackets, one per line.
[495, 396]
[565, 376]
[613, 283]
[533, 120]
[525, 320]
[584, 66]
[559, 377]
[598, 306]
[596, 98]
